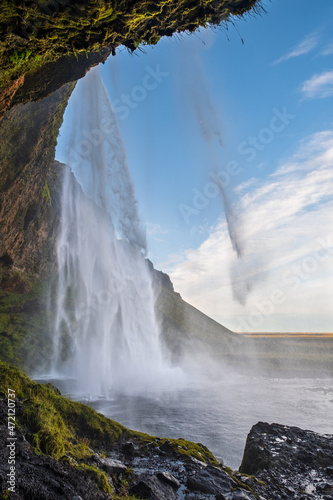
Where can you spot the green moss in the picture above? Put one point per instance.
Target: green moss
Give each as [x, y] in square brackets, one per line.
[46, 193]
[98, 476]
[23, 325]
[18, 58]
[125, 497]
[56, 425]
[187, 449]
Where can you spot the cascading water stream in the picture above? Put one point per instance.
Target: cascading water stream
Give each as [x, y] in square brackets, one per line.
[106, 333]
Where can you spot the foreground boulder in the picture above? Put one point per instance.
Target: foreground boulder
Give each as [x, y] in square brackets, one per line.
[294, 463]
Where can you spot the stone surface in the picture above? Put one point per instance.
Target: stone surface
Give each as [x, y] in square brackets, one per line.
[294, 463]
[153, 488]
[210, 480]
[112, 466]
[168, 478]
[239, 494]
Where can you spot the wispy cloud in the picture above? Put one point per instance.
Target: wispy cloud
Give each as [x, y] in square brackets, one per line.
[319, 86]
[245, 185]
[288, 235]
[154, 231]
[303, 47]
[328, 50]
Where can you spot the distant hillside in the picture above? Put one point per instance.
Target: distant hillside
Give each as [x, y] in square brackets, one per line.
[186, 328]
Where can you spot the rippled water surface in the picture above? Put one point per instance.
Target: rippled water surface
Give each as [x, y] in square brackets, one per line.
[220, 413]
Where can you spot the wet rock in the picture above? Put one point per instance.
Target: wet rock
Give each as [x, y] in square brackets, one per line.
[242, 495]
[210, 480]
[24, 454]
[202, 496]
[129, 449]
[168, 478]
[112, 466]
[167, 447]
[198, 463]
[153, 488]
[324, 487]
[292, 462]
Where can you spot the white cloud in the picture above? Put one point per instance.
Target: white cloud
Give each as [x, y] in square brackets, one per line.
[303, 47]
[319, 86]
[287, 231]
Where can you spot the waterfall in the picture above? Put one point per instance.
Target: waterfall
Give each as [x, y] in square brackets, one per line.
[106, 335]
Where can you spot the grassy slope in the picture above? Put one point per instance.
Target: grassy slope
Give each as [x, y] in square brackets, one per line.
[33, 33]
[58, 426]
[184, 324]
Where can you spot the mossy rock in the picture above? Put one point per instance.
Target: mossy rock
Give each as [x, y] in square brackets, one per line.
[35, 34]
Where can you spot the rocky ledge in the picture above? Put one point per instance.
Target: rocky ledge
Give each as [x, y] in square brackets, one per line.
[44, 45]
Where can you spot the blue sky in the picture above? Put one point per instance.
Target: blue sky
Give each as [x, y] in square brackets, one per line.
[204, 113]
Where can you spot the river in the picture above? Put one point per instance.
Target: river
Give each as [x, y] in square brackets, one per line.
[220, 412]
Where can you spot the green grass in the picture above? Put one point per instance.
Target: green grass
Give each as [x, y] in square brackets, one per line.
[98, 476]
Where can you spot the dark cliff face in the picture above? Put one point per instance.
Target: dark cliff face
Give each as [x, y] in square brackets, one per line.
[48, 78]
[30, 183]
[30, 191]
